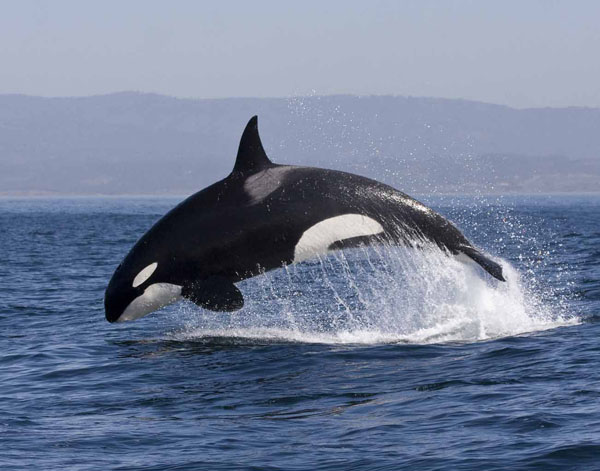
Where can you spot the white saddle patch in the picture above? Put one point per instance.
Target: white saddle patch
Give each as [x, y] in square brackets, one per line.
[155, 296]
[262, 184]
[317, 239]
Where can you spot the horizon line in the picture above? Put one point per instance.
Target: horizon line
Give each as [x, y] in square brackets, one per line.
[292, 97]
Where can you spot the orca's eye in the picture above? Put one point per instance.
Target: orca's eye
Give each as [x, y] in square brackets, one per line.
[144, 274]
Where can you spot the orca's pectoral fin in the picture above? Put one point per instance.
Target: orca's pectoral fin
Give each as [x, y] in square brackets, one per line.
[493, 268]
[215, 293]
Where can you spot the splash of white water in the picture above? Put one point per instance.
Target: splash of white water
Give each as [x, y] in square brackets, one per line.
[382, 295]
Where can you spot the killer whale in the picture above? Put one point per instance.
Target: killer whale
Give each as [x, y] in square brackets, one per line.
[263, 216]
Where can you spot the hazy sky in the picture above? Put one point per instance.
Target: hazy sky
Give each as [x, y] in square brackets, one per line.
[522, 53]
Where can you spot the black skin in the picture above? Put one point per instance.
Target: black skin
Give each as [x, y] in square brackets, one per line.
[251, 221]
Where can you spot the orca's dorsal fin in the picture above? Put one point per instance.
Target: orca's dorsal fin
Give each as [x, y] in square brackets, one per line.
[251, 156]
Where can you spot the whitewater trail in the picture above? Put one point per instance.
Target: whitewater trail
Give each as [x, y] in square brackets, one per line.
[379, 295]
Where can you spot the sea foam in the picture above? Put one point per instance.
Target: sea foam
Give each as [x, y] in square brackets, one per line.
[380, 295]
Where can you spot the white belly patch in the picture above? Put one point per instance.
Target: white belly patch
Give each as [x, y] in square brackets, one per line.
[317, 239]
[154, 297]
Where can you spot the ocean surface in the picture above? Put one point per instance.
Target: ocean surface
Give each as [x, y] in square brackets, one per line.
[369, 359]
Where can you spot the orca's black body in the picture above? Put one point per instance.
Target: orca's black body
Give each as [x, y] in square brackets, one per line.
[261, 217]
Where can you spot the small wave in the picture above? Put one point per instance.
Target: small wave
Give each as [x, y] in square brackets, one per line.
[383, 295]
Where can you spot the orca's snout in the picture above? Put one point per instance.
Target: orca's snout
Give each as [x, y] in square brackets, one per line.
[116, 301]
[111, 312]
[112, 308]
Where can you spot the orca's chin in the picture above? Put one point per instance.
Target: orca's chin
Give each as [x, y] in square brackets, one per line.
[153, 298]
[113, 307]
[112, 316]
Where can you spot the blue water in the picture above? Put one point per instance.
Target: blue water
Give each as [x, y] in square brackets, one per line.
[370, 359]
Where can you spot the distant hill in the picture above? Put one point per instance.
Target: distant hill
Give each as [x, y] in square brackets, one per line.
[133, 143]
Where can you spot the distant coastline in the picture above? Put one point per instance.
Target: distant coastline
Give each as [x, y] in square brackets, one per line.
[133, 143]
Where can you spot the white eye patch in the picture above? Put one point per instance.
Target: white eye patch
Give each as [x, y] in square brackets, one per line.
[144, 274]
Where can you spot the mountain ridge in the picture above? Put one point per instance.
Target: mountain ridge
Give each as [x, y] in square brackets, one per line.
[146, 143]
